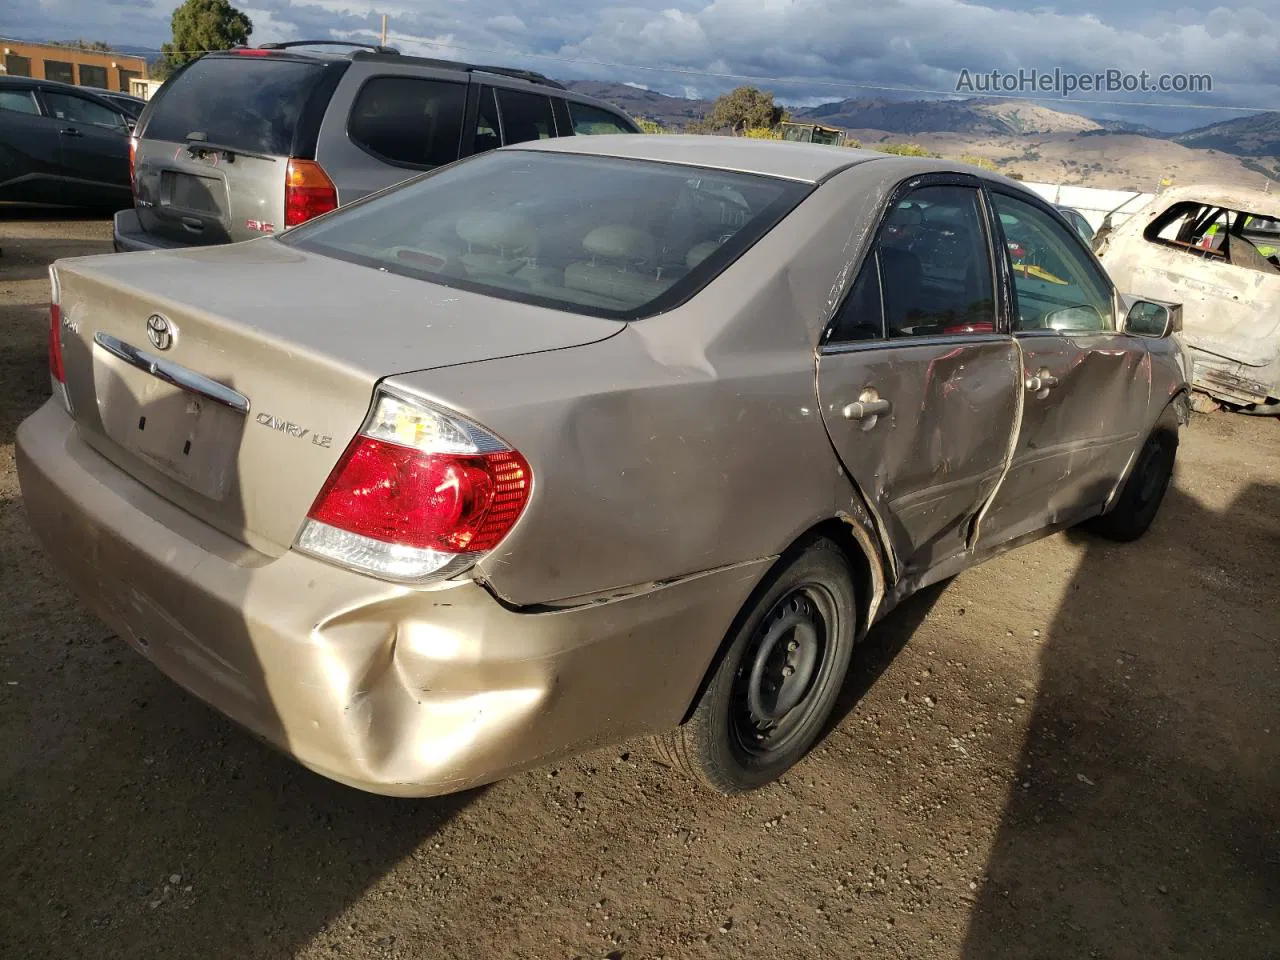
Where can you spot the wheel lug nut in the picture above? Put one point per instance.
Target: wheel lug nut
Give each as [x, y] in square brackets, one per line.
[792, 647]
[788, 670]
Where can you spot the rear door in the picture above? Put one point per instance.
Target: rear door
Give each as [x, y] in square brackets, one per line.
[30, 148]
[93, 142]
[918, 385]
[1086, 386]
[214, 147]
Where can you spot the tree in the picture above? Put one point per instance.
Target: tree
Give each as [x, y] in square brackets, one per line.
[200, 26]
[745, 108]
[97, 46]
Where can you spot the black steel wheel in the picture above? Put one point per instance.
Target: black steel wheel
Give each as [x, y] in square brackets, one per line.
[771, 692]
[1143, 492]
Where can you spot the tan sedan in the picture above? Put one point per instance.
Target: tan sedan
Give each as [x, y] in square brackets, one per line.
[582, 440]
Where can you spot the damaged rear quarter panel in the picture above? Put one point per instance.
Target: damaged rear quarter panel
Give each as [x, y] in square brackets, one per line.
[692, 441]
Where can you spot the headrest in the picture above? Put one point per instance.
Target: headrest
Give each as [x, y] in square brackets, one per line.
[617, 242]
[905, 216]
[700, 253]
[503, 230]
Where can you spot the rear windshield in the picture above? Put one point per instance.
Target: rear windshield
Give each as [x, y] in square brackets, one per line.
[596, 235]
[245, 103]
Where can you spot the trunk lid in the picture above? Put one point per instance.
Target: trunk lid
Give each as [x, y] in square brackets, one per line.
[213, 149]
[230, 379]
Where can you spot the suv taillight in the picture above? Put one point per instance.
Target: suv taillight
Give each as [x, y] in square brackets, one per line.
[420, 492]
[308, 192]
[133, 166]
[57, 371]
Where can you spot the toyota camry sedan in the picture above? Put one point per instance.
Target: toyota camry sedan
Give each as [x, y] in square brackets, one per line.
[582, 440]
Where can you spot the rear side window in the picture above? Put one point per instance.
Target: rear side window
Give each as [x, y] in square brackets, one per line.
[409, 121]
[593, 120]
[18, 101]
[245, 103]
[525, 116]
[596, 235]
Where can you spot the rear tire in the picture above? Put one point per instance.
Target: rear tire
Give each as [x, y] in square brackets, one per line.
[1144, 491]
[770, 695]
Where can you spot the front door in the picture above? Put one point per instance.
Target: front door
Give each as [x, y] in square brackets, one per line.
[1085, 385]
[918, 385]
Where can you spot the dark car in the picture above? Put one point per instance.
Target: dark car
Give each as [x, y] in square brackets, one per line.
[254, 140]
[61, 144]
[1077, 220]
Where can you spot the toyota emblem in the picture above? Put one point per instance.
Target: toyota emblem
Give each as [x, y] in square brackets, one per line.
[162, 333]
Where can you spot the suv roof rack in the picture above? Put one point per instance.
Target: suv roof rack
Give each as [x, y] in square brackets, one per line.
[376, 48]
[530, 75]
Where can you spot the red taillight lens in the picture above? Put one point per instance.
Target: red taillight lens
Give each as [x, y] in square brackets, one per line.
[55, 344]
[419, 492]
[133, 165]
[449, 503]
[308, 192]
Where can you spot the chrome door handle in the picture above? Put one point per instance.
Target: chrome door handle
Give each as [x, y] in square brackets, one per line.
[862, 409]
[1043, 381]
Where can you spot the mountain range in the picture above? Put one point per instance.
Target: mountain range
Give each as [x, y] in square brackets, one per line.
[1257, 135]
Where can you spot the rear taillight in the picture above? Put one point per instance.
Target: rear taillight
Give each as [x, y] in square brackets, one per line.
[57, 371]
[133, 166]
[308, 192]
[419, 492]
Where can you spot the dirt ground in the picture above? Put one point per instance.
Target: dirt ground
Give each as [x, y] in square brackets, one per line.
[1071, 752]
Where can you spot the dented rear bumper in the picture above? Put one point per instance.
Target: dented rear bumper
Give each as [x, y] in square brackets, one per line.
[388, 689]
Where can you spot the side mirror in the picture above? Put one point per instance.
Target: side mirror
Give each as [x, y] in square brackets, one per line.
[1084, 317]
[1149, 318]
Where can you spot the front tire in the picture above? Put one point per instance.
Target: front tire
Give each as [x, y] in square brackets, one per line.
[771, 693]
[1144, 491]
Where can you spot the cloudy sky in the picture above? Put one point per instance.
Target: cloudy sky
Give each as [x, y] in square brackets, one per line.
[805, 51]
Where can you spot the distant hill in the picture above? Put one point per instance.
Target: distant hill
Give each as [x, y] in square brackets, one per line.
[671, 112]
[981, 116]
[1257, 135]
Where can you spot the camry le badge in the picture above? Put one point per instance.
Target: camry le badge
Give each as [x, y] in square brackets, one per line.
[161, 332]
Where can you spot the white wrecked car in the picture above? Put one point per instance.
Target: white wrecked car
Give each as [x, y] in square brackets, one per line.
[1216, 250]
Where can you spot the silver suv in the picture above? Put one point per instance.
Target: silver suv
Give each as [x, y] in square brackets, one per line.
[254, 140]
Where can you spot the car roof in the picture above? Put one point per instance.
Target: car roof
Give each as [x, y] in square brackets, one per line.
[93, 93]
[806, 162]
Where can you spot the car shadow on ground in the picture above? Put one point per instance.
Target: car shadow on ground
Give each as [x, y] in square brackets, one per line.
[1152, 742]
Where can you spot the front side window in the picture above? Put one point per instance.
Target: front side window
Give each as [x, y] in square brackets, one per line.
[1057, 286]
[75, 109]
[525, 116]
[596, 235]
[406, 120]
[589, 120]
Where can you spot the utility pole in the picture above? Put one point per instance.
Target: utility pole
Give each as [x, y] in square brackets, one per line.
[384, 29]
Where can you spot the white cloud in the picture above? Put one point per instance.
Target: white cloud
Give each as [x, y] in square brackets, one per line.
[804, 49]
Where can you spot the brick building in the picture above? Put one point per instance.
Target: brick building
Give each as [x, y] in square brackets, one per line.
[87, 68]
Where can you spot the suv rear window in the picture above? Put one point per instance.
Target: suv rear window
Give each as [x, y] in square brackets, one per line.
[245, 103]
[596, 235]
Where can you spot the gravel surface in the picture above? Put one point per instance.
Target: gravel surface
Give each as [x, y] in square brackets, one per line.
[1070, 752]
